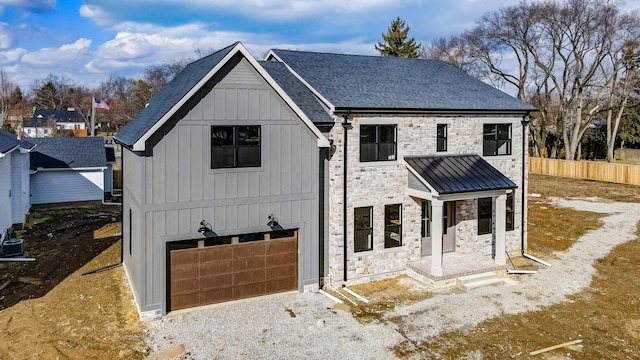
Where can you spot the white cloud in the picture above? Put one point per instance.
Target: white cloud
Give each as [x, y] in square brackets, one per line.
[6, 38]
[67, 55]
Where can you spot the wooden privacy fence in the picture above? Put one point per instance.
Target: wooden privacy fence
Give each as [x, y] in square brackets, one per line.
[593, 170]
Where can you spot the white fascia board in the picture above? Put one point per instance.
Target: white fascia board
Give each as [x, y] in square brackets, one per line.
[8, 152]
[324, 100]
[70, 169]
[322, 140]
[473, 195]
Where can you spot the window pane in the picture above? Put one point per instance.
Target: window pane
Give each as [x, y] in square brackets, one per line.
[504, 147]
[279, 234]
[363, 234]
[510, 223]
[426, 218]
[387, 134]
[362, 240]
[393, 225]
[485, 210]
[387, 151]
[367, 134]
[249, 135]
[489, 132]
[222, 157]
[218, 240]
[489, 148]
[368, 152]
[441, 137]
[504, 131]
[251, 237]
[248, 156]
[221, 135]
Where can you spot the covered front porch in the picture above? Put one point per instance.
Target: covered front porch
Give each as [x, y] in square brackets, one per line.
[442, 182]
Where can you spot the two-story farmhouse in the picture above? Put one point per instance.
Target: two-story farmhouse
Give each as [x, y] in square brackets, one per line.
[236, 182]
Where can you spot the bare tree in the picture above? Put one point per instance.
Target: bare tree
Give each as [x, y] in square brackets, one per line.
[457, 52]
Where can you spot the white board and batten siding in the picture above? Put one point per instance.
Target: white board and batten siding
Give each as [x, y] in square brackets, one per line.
[179, 188]
[5, 191]
[20, 186]
[67, 186]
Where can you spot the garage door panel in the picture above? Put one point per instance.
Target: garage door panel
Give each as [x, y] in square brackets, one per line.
[216, 253]
[216, 267]
[280, 272]
[276, 286]
[249, 264]
[216, 281]
[216, 296]
[179, 287]
[218, 273]
[184, 257]
[243, 251]
[280, 259]
[249, 290]
[185, 271]
[184, 301]
[281, 246]
[249, 277]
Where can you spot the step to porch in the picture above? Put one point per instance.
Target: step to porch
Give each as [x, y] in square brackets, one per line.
[475, 281]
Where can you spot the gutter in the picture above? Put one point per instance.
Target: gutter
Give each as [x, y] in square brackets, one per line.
[367, 110]
[345, 125]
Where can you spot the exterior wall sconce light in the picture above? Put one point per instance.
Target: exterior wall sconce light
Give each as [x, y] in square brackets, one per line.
[205, 227]
[273, 221]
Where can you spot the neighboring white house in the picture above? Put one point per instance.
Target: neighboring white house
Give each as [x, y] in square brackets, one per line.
[14, 181]
[44, 122]
[67, 170]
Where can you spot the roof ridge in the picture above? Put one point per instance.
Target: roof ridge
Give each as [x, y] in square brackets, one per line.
[214, 53]
[358, 55]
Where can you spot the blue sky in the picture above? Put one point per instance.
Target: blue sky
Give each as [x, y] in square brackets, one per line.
[87, 41]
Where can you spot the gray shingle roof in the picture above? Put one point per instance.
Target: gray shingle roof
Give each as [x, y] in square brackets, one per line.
[73, 152]
[9, 141]
[40, 117]
[451, 174]
[376, 82]
[170, 95]
[297, 91]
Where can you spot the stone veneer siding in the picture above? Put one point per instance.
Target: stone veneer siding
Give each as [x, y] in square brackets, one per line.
[380, 183]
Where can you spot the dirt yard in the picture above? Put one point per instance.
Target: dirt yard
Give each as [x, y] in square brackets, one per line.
[49, 310]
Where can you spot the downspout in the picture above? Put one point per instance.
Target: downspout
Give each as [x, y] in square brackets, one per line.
[324, 155]
[345, 125]
[525, 151]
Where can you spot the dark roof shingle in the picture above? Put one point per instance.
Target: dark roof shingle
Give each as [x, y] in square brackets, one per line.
[376, 82]
[73, 152]
[451, 174]
[40, 117]
[297, 91]
[9, 141]
[169, 96]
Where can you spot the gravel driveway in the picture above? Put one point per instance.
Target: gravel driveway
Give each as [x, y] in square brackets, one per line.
[303, 326]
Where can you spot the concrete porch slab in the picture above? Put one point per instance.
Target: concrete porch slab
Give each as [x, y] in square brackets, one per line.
[454, 265]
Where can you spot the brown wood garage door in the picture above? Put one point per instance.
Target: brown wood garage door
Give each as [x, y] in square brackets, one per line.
[208, 275]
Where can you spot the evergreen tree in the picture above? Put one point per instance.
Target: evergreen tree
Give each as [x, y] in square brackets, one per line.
[395, 42]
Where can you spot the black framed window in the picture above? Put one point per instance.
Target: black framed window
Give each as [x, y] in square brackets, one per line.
[378, 143]
[426, 218]
[496, 139]
[510, 211]
[235, 146]
[485, 210]
[363, 229]
[442, 137]
[392, 225]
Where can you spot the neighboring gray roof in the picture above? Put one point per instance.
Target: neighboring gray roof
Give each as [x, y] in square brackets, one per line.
[40, 117]
[168, 96]
[451, 174]
[376, 82]
[297, 91]
[9, 141]
[71, 152]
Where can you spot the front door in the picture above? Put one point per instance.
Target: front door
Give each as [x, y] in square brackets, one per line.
[448, 227]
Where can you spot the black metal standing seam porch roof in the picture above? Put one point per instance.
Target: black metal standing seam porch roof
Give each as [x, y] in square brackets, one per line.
[451, 174]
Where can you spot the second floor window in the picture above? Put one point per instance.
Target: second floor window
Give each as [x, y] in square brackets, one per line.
[496, 139]
[235, 146]
[442, 137]
[378, 143]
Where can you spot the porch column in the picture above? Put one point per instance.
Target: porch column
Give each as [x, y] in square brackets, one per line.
[501, 229]
[436, 236]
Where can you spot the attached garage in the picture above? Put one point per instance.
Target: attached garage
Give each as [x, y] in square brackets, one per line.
[202, 272]
[67, 170]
